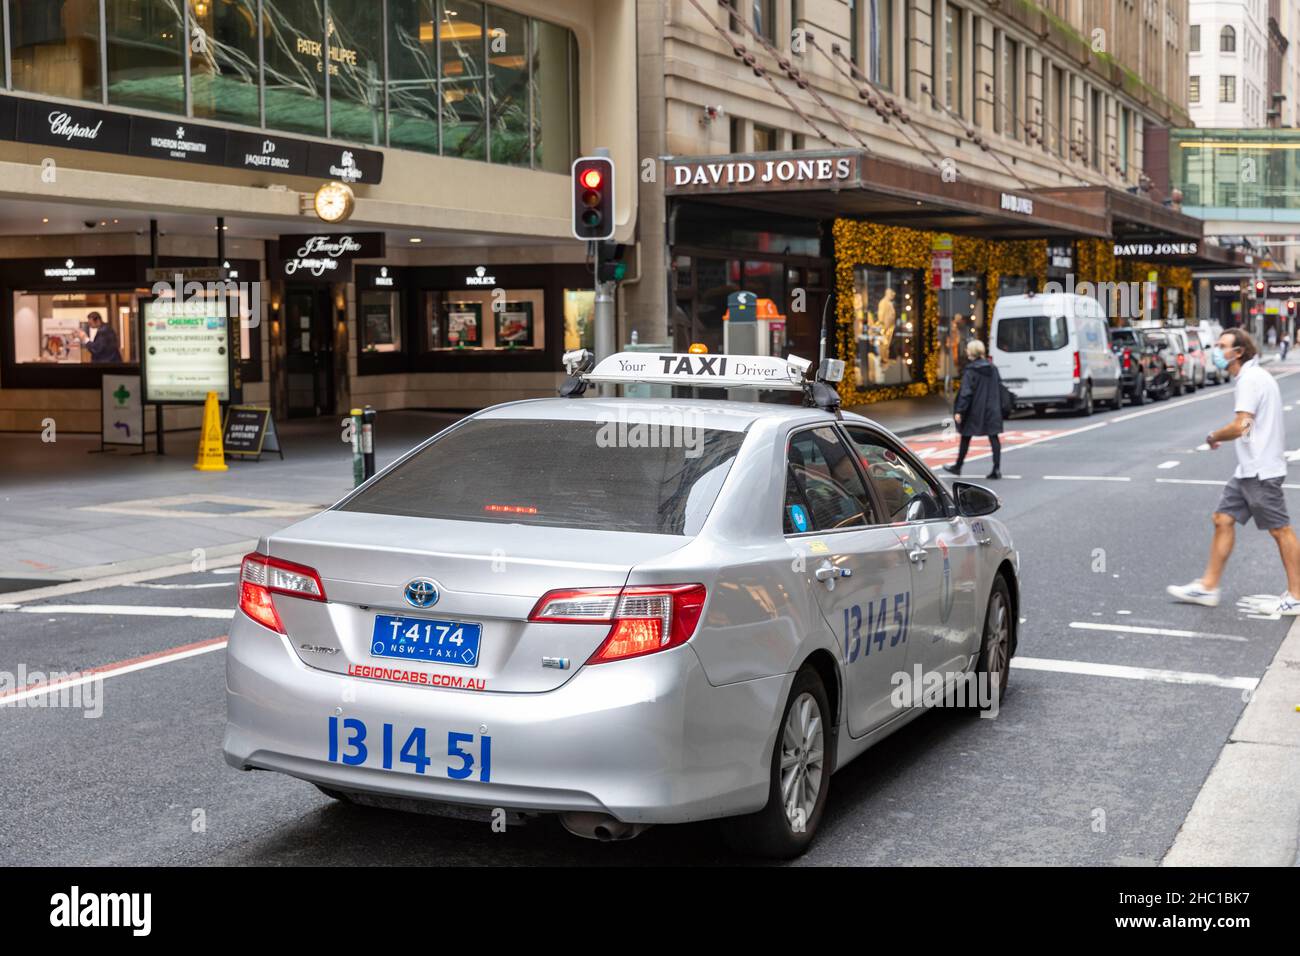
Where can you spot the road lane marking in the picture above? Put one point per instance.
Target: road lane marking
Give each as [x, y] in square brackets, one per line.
[1188, 481]
[1169, 464]
[117, 669]
[126, 610]
[1085, 478]
[185, 587]
[1162, 631]
[1125, 672]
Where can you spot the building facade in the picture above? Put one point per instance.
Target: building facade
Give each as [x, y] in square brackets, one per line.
[146, 137]
[898, 165]
[1228, 64]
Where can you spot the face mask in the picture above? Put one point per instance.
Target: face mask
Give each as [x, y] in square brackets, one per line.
[1219, 359]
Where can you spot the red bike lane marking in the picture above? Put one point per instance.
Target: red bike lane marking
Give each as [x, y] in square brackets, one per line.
[940, 448]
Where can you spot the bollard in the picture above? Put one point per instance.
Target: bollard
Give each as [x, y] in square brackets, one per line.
[358, 461]
[368, 440]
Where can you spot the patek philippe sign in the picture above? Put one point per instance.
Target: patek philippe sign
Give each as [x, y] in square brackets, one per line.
[80, 127]
[1163, 248]
[326, 257]
[798, 171]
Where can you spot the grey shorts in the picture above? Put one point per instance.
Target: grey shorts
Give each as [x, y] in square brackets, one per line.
[1258, 498]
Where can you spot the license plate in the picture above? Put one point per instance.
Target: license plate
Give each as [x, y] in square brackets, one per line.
[352, 742]
[424, 639]
[1014, 383]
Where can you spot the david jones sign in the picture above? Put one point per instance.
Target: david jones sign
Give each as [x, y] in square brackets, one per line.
[781, 172]
[1155, 248]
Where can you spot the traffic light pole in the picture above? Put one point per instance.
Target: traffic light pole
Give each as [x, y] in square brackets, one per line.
[604, 313]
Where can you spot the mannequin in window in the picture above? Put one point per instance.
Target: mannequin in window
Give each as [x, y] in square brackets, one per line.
[886, 316]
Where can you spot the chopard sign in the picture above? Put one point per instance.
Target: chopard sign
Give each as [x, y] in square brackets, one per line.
[63, 125]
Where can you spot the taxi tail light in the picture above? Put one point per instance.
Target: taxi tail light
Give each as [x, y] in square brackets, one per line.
[261, 576]
[645, 619]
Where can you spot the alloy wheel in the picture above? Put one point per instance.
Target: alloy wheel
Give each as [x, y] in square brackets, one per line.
[803, 760]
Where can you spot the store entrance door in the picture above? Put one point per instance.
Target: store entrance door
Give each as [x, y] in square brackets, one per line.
[309, 352]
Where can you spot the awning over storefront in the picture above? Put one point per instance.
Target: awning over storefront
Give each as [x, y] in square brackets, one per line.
[829, 184]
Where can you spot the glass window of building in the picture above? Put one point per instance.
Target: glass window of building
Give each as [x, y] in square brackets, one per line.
[75, 328]
[55, 47]
[224, 62]
[379, 320]
[463, 96]
[1193, 89]
[555, 97]
[1194, 39]
[294, 44]
[1011, 87]
[508, 106]
[1227, 89]
[412, 76]
[765, 18]
[356, 59]
[952, 58]
[146, 43]
[1228, 40]
[880, 30]
[474, 320]
[765, 139]
[887, 327]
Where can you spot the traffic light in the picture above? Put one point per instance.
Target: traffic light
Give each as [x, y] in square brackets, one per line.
[593, 198]
[1260, 288]
[1290, 308]
[612, 266]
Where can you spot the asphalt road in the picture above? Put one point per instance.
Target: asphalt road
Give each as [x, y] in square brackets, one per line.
[1078, 768]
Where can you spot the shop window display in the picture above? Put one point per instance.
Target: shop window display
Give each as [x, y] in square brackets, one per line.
[76, 328]
[886, 326]
[484, 320]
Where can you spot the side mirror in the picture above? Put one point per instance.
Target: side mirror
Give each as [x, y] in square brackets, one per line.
[974, 501]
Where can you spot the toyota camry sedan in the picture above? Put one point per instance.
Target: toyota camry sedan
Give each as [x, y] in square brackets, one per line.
[622, 611]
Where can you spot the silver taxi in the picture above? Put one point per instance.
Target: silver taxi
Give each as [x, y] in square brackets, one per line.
[623, 611]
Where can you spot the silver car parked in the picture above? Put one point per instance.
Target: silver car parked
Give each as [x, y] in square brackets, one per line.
[623, 611]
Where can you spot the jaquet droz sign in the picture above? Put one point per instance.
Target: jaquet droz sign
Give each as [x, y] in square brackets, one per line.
[72, 126]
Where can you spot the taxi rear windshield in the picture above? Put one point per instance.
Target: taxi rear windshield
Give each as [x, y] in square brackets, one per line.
[630, 475]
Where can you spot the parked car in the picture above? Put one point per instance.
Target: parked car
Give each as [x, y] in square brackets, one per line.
[1169, 379]
[1053, 351]
[1207, 340]
[1140, 365]
[1192, 361]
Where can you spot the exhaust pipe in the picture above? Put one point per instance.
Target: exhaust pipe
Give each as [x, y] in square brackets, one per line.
[601, 826]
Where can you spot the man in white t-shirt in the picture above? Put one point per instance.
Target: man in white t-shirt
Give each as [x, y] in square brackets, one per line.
[1255, 490]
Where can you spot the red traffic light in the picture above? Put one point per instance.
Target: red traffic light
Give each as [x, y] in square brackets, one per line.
[592, 179]
[593, 198]
[1259, 287]
[1290, 306]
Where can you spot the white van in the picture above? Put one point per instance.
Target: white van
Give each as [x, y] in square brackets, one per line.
[1054, 350]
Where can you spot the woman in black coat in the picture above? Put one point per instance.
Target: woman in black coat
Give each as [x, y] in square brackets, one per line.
[978, 410]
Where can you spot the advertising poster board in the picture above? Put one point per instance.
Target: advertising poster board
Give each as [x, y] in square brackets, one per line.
[121, 410]
[186, 351]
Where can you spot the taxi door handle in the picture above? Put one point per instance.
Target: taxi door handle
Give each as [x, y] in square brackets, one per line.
[829, 572]
[916, 555]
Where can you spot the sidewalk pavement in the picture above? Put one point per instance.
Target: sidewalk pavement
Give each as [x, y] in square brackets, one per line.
[908, 416]
[67, 514]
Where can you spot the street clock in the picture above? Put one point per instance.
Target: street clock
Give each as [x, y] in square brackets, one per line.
[334, 202]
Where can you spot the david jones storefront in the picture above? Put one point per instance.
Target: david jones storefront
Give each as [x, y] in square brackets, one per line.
[910, 281]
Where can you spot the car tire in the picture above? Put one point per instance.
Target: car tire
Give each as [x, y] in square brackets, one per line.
[998, 640]
[1139, 393]
[771, 832]
[1085, 403]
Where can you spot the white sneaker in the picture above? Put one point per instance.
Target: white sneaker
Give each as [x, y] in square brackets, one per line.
[1288, 606]
[1195, 594]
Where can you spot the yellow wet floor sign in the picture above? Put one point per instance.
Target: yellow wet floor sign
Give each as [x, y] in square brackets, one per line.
[212, 456]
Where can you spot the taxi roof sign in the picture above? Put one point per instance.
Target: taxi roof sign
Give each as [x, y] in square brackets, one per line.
[706, 371]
